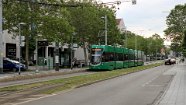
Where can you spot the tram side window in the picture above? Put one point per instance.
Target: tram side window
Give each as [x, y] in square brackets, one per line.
[116, 58]
[120, 57]
[130, 57]
[133, 57]
[111, 56]
[125, 57]
[107, 57]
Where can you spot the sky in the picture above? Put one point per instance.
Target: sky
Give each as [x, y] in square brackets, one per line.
[147, 17]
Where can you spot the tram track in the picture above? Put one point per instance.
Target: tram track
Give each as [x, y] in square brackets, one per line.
[23, 81]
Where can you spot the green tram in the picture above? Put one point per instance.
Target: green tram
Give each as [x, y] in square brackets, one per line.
[106, 57]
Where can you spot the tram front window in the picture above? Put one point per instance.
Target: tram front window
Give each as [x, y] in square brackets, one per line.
[96, 56]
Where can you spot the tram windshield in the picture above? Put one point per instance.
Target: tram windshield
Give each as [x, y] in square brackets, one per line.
[96, 56]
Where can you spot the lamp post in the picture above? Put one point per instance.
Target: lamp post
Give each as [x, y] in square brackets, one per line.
[36, 56]
[136, 47]
[106, 30]
[105, 17]
[71, 51]
[1, 40]
[19, 72]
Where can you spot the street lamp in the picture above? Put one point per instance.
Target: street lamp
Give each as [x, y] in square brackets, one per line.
[136, 55]
[20, 40]
[105, 17]
[71, 52]
[1, 40]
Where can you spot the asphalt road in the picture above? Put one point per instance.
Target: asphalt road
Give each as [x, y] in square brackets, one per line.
[140, 88]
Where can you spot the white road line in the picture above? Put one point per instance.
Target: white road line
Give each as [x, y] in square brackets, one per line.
[33, 99]
[148, 82]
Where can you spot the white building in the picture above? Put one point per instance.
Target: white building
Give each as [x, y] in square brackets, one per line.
[11, 45]
[12, 50]
[121, 25]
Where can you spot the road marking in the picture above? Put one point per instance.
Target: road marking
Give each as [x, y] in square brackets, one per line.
[156, 85]
[148, 82]
[34, 99]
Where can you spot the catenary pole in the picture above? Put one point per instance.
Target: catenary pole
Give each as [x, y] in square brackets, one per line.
[19, 49]
[1, 39]
[106, 30]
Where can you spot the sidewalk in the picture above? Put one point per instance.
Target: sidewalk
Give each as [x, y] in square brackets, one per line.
[176, 93]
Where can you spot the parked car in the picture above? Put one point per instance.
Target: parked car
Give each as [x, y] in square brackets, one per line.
[12, 65]
[30, 63]
[170, 61]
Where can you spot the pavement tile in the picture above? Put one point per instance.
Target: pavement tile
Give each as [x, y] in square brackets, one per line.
[176, 94]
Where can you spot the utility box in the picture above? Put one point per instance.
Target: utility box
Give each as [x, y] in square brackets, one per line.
[41, 61]
[50, 63]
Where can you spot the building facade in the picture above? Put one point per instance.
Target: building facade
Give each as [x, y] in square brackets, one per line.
[11, 45]
[45, 54]
[121, 25]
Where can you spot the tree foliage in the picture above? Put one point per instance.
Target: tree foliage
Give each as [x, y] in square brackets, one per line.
[58, 23]
[184, 44]
[176, 22]
[150, 46]
[89, 25]
[47, 21]
[184, 40]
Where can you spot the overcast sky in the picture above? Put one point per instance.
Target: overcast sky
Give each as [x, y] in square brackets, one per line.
[147, 16]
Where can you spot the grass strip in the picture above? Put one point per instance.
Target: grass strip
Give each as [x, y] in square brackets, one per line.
[77, 81]
[37, 75]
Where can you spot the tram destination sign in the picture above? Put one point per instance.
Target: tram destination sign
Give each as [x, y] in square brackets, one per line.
[96, 49]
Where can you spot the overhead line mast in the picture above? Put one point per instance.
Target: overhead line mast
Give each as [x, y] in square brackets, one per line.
[1, 39]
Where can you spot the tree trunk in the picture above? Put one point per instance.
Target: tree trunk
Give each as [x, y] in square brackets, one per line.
[85, 53]
[27, 50]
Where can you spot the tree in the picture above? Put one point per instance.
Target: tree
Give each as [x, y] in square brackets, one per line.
[176, 22]
[184, 44]
[57, 23]
[184, 40]
[16, 12]
[54, 24]
[50, 21]
[88, 23]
